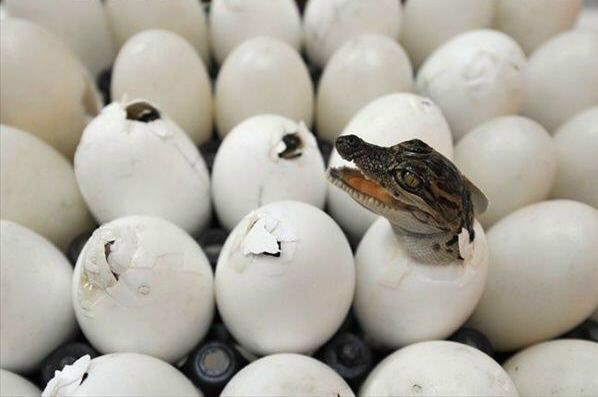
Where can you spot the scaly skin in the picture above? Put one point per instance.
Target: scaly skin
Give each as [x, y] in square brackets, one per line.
[423, 195]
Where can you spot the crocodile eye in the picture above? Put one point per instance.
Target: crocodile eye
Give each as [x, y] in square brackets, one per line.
[410, 179]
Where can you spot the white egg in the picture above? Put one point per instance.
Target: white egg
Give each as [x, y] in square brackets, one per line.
[588, 19]
[183, 17]
[234, 21]
[562, 78]
[131, 163]
[512, 159]
[142, 284]
[474, 77]
[82, 25]
[438, 368]
[279, 288]
[15, 385]
[542, 275]
[264, 159]
[532, 22]
[399, 301]
[363, 69]
[36, 313]
[262, 75]
[39, 189]
[45, 89]
[328, 24]
[427, 24]
[287, 375]
[182, 89]
[577, 144]
[565, 367]
[387, 121]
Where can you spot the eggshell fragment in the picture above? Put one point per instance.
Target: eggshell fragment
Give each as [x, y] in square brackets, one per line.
[39, 189]
[45, 89]
[512, 159]
[287, 375]
[363, 69]
[15, 385]
[543, 274]
[136, 275]
[262, 75]
[234, 21]
[562, 78]
[438, 368]
[577, 144]
[133, 160]
[254, 166]
[474, 77]
[274, 260]
[36, 314]
[387, 121]
[181, 89]
[183, 17]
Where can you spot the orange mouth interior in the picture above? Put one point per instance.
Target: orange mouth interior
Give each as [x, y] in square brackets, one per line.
[357, 181]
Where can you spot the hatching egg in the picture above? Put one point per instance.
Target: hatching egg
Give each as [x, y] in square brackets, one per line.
[183, 17]
[285, 279]
[565, 367]
[363, 69]
[36, 313]
[181, 89]
[15, 385]
[142, 284]
[39, 189]
[45, 89]
[474, 77]
[386, 121]
[438, 368]
[133, 160]
[542, 276]
[562, 78]
[264, 159]
[234, 21]
[328, 24]
[427, 24]
[287, 375]
[82, 25]
[262, 75]
[532, 22]
[577, 144]
[512, 159]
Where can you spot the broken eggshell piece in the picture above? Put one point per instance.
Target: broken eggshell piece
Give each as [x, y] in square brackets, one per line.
[134, 276]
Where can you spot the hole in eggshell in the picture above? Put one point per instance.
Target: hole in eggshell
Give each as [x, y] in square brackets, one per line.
[276, 255]
[107, 253]
[85, 375]
[142, 111]
[293, 146]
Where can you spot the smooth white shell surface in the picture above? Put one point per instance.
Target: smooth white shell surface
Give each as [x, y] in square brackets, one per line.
[15, 385]
[248, 171]
[302, 295]
[39, 189]
[287, 375]
[234, 21]
[566, 367]
[427, 24]
[36, 314]
[532, 22]
[328, 24]
[182, 89]
[542, 275]
[152, 294]
[399, 301]
[577, 144]
[262, 75]
[82, 25]
[387, 121]
[512, 159]
[183, 17]
[438, 368]
[45, 89]
[474, 77]
[562, 78]
[128, 167]
[363, 69]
